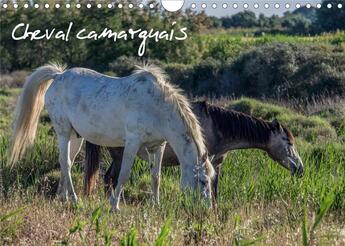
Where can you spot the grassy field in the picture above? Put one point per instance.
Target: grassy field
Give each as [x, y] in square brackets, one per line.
[259, 202]
[228, 45]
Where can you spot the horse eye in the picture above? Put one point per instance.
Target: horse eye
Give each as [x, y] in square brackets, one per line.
[289, 151]
[287, 141]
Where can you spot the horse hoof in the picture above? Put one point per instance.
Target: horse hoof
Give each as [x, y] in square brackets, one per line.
[115, 210]
[62, 197]
[156, 202]
[74, 199]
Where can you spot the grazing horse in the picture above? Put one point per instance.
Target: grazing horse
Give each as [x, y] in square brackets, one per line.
[225, 130]
[141, 110]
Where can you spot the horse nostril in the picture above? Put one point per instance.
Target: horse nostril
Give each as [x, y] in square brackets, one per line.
[300, 171]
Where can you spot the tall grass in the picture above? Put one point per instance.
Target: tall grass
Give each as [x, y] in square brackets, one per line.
[250, 182]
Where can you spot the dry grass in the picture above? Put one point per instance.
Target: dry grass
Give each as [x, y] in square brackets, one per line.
[46, 222]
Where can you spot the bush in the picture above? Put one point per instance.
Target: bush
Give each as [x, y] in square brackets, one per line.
[13, 80]
[281, 70]
[291, 70]
[210, 77]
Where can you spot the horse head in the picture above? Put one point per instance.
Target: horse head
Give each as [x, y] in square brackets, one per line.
[204, 173]
[281, 148]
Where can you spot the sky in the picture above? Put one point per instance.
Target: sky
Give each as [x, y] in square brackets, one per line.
[230, 10]
[219, 11]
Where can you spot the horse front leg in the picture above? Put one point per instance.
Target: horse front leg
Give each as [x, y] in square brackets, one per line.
[131, 148]
[61, 190]
[113, 172]
[216, 181]
[156, 170]
[217, 164]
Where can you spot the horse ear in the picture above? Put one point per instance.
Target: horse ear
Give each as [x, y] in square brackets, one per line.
[203, 105]
[277, 125]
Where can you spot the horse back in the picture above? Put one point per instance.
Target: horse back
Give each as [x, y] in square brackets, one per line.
[103, 108]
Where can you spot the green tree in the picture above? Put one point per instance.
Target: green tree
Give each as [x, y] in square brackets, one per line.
[297, 24]
[241, 19]
[331, 19]
[263, 21]
[275, 21]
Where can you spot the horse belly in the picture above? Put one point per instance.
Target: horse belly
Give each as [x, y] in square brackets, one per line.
[169, 157]
[101, 132]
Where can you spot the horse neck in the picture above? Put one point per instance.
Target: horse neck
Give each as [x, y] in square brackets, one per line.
[186, 151]
[243, 143]
[258, 137]
[188, 156]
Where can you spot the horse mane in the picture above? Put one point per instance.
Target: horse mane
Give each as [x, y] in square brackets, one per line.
[239, 125]
[174, 94]
[289, 135]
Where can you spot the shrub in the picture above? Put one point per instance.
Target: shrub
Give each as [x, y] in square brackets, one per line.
[13, 80]
[283, 70]
[209, 77]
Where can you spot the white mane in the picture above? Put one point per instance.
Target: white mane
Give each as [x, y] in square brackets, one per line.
[174, 94]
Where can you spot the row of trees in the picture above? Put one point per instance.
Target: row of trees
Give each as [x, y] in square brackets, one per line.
[98, 54]
[300, 21]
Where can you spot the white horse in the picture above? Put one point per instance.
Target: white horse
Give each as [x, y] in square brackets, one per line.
[141, 110]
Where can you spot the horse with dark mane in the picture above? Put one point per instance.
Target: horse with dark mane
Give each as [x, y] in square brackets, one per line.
[224, 130]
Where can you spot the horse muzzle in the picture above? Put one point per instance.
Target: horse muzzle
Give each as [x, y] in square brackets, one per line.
[296, 167]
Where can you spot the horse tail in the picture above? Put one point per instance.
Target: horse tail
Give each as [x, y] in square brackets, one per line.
[28, 109]
[91, 167]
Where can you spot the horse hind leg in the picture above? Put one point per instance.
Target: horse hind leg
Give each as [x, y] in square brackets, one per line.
[74, 148]
[131, 148]
[69, 146]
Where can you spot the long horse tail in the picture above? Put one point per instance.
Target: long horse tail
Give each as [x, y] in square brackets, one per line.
[28, 109]
[91, 167]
